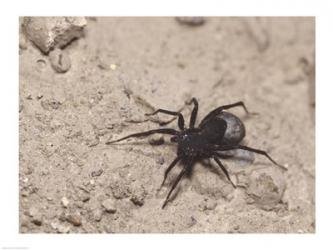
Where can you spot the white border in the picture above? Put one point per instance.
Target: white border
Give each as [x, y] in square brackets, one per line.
[9, 236]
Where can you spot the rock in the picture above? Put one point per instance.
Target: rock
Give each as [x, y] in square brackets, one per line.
[36, 216]
[138, 194]
[191, 20]
[208, 204]
[265, 187]
[48, 33]
[60, 60]
[96, 173]
[37, 220]
[84, 197]
[64, 201]
[23, 43]
[50, 104]
[74, 219]
[97, 214]
[156, 140]
[160, 160]
[137, 199]
[60, 227]
[109, 206]
[210, 180]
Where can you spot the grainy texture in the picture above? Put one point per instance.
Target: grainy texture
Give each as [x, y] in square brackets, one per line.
[71, 182]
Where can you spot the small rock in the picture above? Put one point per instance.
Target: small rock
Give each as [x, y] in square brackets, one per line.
[60, 227]
[160, 160]
[137, 200]
[191, 20]
[41, 63]
[210, 204]
[50, 104]
[156, 140]
[37, 220]
[65, 201]
[85, 197]
[96, 173]
[138, 195]
[36, 216]
[190, 221]
[23, 43]
[60, 60]
[53, 32]
[33, 211]
[24, 221]
[266, 187]
[212, 183]
[79, 204]
[97, 214]
[21, 106]
[109, 206]
[74, 219]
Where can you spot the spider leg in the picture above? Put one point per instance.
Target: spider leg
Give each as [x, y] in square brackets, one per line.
[168, 131]
[224, 170]
[224, 107]
[168, 112]
[179, 177]
[194, 111]
[171, 166]
[254, 150]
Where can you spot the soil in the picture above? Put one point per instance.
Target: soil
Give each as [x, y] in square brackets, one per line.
[72, 182]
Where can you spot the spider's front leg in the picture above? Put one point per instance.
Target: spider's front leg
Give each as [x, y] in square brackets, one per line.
[168, 131]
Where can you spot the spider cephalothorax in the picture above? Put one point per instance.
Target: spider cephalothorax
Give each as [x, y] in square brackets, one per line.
[219, 131]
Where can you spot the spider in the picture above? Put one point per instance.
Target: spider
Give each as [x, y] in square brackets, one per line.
[219, 131]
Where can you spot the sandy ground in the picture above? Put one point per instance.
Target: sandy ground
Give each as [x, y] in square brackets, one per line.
[71, 181]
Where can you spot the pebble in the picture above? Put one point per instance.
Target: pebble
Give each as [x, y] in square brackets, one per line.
[74, 219]
[160, 160]
[96, 173]
[266, 187]
[97, 214]
[60, 227]
[85, 197]
[156, 140]
[60, 60]
[191, 20]
[37, 220]
[50, 104]
[23, 43]
[64, 201]
[109, 206]
[36, 216]
[53, 32]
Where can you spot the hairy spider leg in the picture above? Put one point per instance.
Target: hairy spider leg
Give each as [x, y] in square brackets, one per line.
[168, 112]
[223, 169]
[254, 150]
[168, 131]
[218, 110]
[194, 111]
[171, 166]
[179, 177]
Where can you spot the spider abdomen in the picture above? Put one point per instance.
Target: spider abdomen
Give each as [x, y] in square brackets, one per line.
[235, 131]
[224, 129]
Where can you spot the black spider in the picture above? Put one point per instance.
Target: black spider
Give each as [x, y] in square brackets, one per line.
[219, 131]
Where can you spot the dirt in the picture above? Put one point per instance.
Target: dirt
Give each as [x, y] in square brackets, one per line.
[72, 182]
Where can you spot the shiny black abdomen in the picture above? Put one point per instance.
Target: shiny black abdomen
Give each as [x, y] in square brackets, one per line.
[224, 129]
